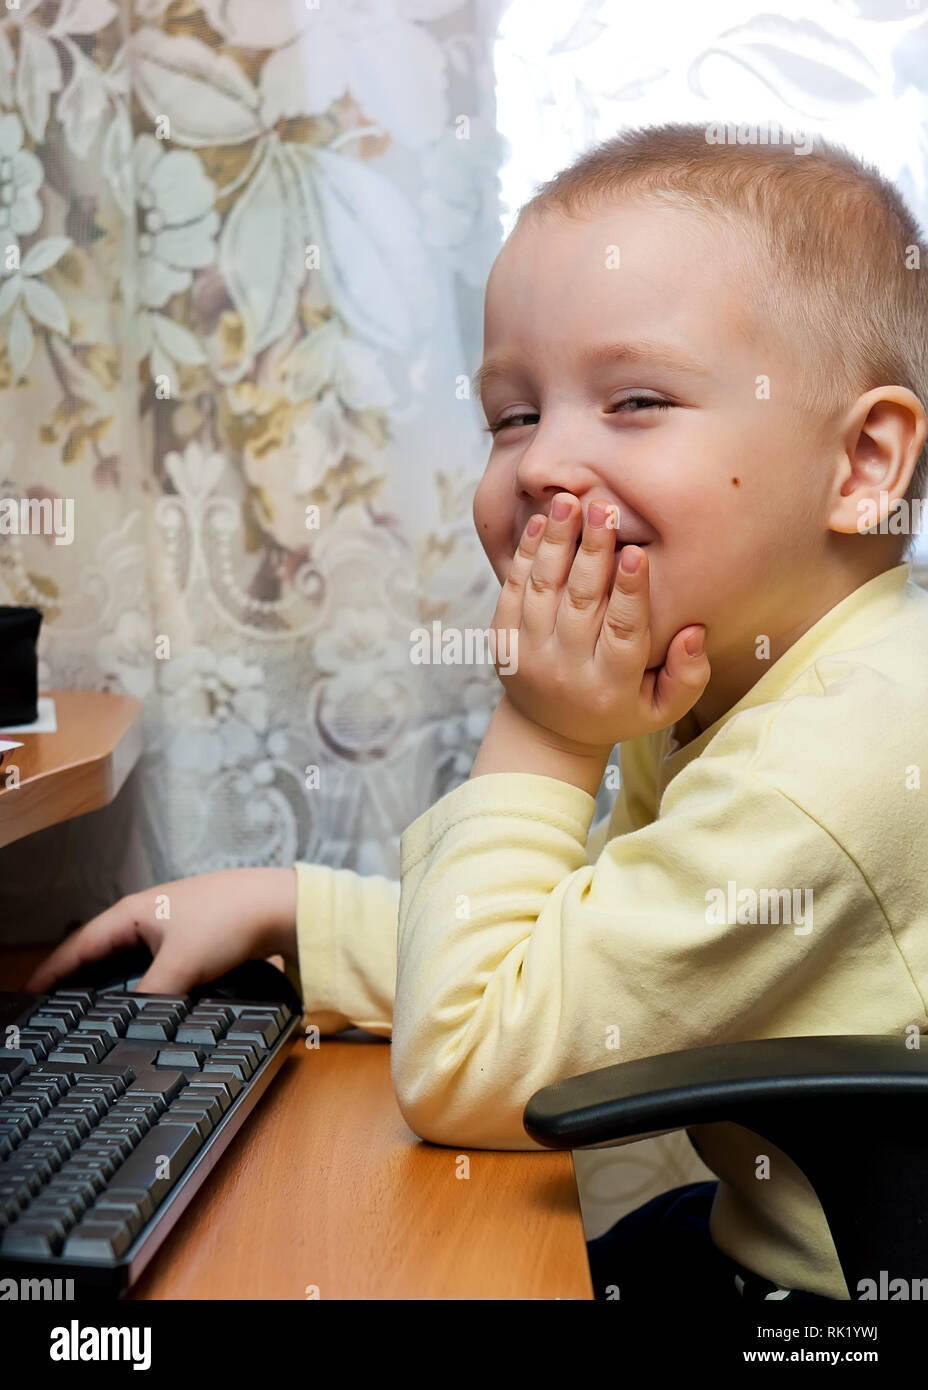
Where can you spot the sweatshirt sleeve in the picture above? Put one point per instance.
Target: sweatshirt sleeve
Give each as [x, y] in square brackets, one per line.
[346, 932]
[521, 963]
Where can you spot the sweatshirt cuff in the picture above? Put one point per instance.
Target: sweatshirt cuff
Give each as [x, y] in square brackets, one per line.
[525, 795]
[316, 944]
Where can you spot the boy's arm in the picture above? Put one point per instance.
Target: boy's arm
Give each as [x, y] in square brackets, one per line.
[521, 963]
[341, 958]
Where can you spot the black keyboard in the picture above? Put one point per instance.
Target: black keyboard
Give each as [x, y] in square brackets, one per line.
[115, 1106]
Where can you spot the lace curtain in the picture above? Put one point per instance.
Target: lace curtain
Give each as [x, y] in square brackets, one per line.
[252, 241]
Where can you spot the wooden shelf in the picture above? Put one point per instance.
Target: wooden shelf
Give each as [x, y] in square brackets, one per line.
[79, 768]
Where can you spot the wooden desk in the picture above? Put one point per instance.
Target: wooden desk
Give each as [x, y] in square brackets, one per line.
[78, 768]
[326, 1185]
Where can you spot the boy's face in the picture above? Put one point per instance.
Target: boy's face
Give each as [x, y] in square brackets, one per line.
[728, 491]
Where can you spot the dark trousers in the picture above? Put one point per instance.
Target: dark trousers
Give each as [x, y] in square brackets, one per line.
[665, 1248]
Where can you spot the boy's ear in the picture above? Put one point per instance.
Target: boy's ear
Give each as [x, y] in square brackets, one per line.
[883, 438]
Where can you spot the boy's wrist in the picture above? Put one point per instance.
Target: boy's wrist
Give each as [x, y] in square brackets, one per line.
[515, 743]
[279, 889]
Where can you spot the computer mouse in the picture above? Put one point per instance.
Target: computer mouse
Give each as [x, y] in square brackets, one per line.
[252, 979]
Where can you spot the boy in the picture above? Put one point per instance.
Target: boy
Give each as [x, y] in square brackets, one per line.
[709, 359]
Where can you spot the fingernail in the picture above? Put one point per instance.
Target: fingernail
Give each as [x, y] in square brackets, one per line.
[535, 525]
[693, 643]
[630, 559]
[560, 509]
[596, 516]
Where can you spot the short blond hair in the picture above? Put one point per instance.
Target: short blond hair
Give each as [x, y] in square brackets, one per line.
[846, 283]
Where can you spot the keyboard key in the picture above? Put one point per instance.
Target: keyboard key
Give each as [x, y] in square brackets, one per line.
[101, 1072]
[57, 1149]
[177, 1143]
[68, 1012]
[229, 1079]
[133, 1129]
[214, 1008]
[150, 1029]
[31, 1049]
[28, 1237]
[74, 1185]
[113, 1024]
[205, 1114]
[97, 1239]
[134, 1199]
[15, 1109]
[157, 1086]
[94, 1107]
[181, 1002]
[106, 1160]
[239, 1065]
[106, 1091]
[87, 1170]
[68, 1208]
[80, 996]
[191, 1057]
[11, 1069]
[261, 1029]
[216, 1088]
[116, 1210]
[34, 1171]
[119, 1144]
[15, 1196]
[73, 1127]
[129, 1003]
[200, 1032]
[279, 1012]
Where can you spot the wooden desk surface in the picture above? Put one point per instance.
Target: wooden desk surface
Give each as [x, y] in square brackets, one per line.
[78, 768]
[325, 1185]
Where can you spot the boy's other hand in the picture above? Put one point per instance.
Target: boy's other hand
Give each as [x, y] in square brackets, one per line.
[579, 641]
[196, 929]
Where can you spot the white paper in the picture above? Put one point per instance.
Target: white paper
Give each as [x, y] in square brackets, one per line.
[46, 723]
[6, 744]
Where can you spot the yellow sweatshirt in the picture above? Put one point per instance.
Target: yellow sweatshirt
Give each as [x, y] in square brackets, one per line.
[517, 942]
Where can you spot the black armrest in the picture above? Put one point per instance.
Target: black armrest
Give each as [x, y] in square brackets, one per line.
[851, 1112]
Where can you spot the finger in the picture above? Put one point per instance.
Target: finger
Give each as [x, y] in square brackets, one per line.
[553, 559]
[625, 632]
[589, 583]
[509, 607]
[170, 973]
[112, 930]
[682, 678]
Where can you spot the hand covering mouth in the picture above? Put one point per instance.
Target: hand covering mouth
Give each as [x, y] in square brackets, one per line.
[620, 541]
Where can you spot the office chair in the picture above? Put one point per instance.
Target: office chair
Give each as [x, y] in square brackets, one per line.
[850, 1111]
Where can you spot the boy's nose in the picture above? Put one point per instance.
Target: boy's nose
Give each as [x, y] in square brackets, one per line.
[542, 473]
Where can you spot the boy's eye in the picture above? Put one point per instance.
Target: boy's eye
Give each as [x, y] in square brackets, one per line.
[509, 420]
[637, 401]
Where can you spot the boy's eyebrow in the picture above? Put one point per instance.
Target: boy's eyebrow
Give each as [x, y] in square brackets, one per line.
[644, 350]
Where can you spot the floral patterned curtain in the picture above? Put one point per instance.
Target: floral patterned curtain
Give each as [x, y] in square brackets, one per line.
[244, 249]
